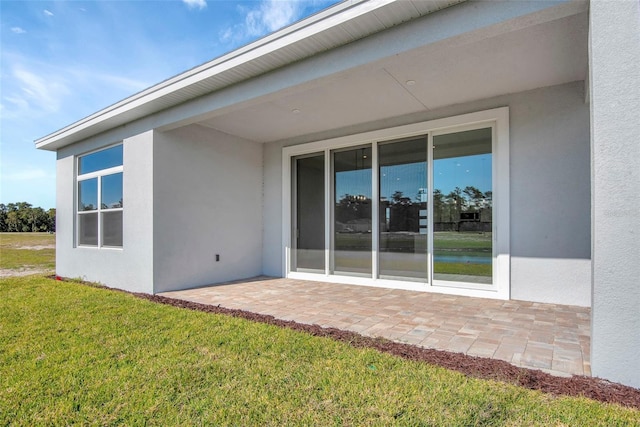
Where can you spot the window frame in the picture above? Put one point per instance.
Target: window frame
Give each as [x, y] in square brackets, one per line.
[99, 211]
[497, 119]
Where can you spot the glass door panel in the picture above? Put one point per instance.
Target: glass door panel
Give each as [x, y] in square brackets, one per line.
[462, 207]
[308, 252]
[352, 212]
[403, 210]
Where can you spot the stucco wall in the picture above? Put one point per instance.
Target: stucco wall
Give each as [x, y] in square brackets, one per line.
[615, 120]
[207, 201]
[127, 268]
[549, 186]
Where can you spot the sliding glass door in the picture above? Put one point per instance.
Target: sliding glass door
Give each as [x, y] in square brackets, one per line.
[404, 209]
[308, 248]
[352, 212]
[462, 207]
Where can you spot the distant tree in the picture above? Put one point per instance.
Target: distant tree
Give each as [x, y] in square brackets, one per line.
[51, 220]
[12, 217]
[23, 217]
[3, 217]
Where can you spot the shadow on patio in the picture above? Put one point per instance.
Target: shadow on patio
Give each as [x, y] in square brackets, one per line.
[551, 337]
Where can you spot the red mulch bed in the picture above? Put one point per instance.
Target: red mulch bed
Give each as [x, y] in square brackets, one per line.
[478, 367]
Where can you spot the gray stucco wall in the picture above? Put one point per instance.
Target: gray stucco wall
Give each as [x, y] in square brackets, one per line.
[128, 268]
[549, 186]
[207, 200]
[615, 139]
[550, 196]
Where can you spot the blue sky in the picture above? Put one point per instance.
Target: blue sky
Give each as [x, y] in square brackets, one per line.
[63, 60]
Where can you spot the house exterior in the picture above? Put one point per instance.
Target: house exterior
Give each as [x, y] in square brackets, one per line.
[480, 148]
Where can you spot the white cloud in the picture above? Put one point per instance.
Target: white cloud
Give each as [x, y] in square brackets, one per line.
[33, 89]
[277, 14]
[226, 35]
[19, 103]
[18, 30]
[43, 93]
[47, 12]
[195, 4]
[267, 16]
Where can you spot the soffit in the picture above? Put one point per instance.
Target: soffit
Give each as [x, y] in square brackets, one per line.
[541, 55]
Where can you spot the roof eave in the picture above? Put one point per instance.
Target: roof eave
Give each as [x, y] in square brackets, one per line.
[107, 118]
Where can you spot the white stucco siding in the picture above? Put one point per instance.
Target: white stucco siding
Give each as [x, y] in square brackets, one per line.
[615, 138]
[207, 201]
[128, 268]
[549, 188]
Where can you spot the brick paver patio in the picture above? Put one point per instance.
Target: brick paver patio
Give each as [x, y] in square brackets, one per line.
[551, 337]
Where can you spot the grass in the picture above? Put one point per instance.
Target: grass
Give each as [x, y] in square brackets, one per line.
[75, 354]
[17, 251]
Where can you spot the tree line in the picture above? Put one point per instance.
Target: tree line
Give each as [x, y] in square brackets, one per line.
[23, 217]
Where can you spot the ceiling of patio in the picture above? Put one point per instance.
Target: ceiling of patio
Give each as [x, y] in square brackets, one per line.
[428, 78]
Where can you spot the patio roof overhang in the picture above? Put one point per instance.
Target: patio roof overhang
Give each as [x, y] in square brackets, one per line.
[353, 64]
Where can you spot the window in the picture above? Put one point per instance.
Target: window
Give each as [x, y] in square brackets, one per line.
[100, 204]
[308, 224]
[450, 242]
[422, 206]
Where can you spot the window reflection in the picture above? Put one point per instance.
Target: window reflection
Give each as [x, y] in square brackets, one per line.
[308, 254]
[99, 160]
[403, 209]
[112, 191]
[462, 207]
[352, 211]
[88, 195]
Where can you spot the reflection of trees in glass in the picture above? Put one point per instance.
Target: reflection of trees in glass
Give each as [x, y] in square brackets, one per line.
[404, 213]
[457, 202]
[448, 208]
[352, 209]
[113, 205]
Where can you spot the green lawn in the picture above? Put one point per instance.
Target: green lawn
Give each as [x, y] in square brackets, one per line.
[75, 354]
[27, 250]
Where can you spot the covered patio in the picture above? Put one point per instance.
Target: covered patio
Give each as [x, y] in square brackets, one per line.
[550, 337]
